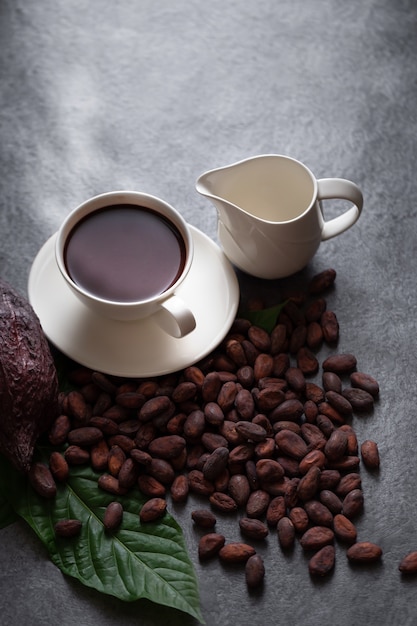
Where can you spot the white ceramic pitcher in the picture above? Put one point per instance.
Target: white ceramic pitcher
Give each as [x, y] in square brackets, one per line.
[270, 221]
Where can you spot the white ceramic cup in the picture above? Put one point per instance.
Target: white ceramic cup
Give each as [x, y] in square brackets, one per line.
[171, 313]
[270, 219]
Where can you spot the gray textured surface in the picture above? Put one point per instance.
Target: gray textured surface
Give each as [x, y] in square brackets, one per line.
[147, 95]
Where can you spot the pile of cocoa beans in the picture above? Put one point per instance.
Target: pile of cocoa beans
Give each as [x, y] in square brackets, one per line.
[246, 428]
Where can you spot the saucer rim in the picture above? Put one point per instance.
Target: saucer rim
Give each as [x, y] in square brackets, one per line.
[210, 248]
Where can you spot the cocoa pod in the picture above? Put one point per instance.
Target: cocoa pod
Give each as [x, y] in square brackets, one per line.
[364, 552]
[254, 571]
[236, 552]
[344, 529]
[316, 538]
[253, 528]
[113, 516]
[322, 562]
[203, 518]
[67, 528]
[153, 510]
[408, 564]
[210, 545]
[370, 454]
[42, 481]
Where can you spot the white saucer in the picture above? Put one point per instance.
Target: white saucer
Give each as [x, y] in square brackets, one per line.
[137, 349]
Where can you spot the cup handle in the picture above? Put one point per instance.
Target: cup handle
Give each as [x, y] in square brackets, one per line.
[329, 188]
[175, 318]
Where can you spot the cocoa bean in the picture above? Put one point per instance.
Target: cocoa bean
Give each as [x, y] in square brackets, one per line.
[150, 486]
[199, 484]
[278, 339]
[268, 398]
[58, 467]
[348, 483]
[253, 528]
[99, 454]
[309, 484]
[331, 500]
[307, 362]
[291, 444]
[299, 518]
[222, 502]
[216, 463]
[239, 489]
[115, 459]
[330, 327]
[370, 454]
[85, 436]
[339, 402]
[153, 510]
[74, 455]
[254, 571]
[251, 431]
[315, 309]
[276, 510]
[364, 552]
[332, 382]
[67, 528]
[336, 445]
[365, 382]
[59, 430]
[260, 338]
[314, 392]
[109, 483]
[344, 529]
[130, 400]
[298, 338]
[322, 281]
[210, 545]
[263, 366]
[361, 400]
[408, 564]
[322, 562]
[314, 457]
[269, 471]
[318, 513]
[155, 407]
[213, 414]
[328, 479]
[316, 538]
[257, 503]
[236, 552]
[184, 391]
[42, 480]
[180, 488]
[286, 533]
[315, 335]
[353, 503]
[203, 518]
[105, 424]
[211, 441]
[194, 426]
[167, 447]
[128, 474]
[340, 363]
[113, 516]
[78, 408]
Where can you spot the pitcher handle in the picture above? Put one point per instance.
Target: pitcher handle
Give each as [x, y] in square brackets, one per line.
[332, 188]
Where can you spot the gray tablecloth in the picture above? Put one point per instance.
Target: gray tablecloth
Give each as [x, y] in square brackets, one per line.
[147, 95]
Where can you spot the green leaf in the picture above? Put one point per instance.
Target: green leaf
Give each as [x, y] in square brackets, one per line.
[265, 318]
[138, 561]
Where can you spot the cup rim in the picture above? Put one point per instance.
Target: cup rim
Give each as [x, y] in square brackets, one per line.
[135, 198]
[269, 157]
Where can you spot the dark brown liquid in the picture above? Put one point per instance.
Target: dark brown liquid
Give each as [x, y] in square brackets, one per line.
[125, 253]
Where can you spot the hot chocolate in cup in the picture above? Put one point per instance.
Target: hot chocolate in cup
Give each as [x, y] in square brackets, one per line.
[124, 254]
